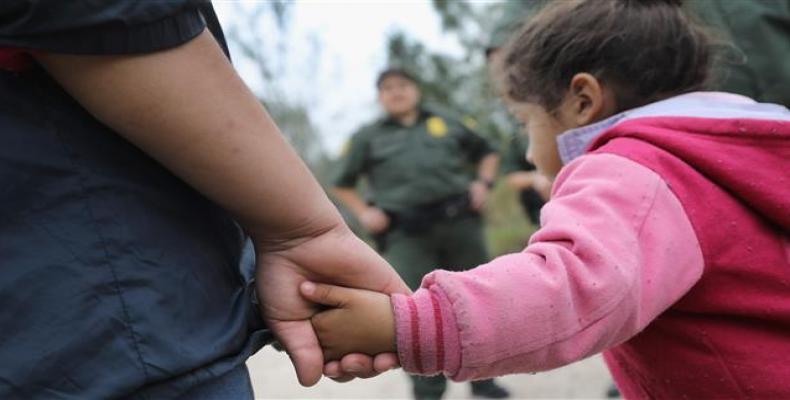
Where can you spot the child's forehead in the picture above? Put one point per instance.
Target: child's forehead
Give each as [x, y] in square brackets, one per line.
[525, 110]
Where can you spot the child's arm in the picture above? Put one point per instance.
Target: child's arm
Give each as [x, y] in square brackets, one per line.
[616, 250]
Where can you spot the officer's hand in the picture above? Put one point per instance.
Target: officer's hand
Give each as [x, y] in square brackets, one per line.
[374, 220]
[478, 192]
[334, 256]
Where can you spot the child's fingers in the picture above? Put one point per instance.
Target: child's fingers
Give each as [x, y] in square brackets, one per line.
[328, 295]
[358, 365]
[385, 361]
[332, 370]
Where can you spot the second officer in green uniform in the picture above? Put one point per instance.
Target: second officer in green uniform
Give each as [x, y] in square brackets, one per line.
[428, 176]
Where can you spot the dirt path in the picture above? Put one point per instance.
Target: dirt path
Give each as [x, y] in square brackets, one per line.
[273, 378]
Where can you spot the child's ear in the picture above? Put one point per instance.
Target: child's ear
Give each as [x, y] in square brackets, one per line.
[589, 101]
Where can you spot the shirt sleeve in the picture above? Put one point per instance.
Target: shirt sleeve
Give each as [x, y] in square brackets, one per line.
[101, 27]
[352, 162]
[758, 30]
[474, 145]
[514, 156]
[606, 263]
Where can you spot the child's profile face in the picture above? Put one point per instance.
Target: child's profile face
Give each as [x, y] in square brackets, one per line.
[586, 101]
[542, 128]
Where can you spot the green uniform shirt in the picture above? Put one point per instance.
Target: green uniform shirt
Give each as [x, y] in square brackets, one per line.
[760, 30]
[514, 152]
[411, 166]
[514, 155]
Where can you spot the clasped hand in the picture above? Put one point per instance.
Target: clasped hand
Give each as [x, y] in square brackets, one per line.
[357, 321]
[333, 256]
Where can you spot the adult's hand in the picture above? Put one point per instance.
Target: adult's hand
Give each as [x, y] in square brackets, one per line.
[334, 256]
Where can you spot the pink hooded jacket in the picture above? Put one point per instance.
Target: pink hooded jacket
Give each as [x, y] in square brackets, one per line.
[641, 252]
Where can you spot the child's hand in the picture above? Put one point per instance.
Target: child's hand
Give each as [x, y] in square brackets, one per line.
[360, 321]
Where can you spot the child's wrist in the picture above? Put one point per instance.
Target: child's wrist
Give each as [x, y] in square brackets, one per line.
[427, 337]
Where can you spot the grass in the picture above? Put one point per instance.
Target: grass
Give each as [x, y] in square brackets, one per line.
[507, 228]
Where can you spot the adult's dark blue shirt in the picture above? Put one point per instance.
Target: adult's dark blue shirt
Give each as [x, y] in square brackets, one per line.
[116, 278]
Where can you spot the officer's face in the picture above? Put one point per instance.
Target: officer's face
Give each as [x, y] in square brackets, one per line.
[398, 95]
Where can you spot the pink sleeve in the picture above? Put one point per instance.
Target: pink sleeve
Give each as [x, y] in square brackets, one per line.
[616, 249]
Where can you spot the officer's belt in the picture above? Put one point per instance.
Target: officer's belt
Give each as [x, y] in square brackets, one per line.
[422, 217]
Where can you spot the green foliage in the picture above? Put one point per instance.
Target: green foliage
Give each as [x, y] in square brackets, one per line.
[507, 227]
[452, 12]
[257, 49]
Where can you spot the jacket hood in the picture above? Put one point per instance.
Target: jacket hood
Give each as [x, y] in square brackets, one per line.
[738, 144]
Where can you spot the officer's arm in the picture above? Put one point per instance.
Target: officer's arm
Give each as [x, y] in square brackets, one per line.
[480, 151]
[351, 199]
[188, 109]
[486, 174]
[352, 166]
[487, 168]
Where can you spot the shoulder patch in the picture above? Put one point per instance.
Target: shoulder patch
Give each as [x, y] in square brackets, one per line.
[436, 127]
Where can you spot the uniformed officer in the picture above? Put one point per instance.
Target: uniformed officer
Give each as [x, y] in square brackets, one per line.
[425, 196]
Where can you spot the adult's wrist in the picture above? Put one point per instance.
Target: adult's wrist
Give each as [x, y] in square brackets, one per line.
[266, 240]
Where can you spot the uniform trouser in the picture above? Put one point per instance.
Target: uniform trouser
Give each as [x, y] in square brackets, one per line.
[453, 245]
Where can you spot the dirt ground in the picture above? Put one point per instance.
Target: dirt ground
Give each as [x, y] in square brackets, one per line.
[273, 378]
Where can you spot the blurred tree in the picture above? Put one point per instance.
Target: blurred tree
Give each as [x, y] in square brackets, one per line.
[259, 36]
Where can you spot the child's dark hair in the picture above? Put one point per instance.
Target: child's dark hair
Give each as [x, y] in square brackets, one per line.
[642, 49]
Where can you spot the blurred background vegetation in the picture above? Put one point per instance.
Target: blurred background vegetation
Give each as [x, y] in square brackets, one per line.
[459, 84]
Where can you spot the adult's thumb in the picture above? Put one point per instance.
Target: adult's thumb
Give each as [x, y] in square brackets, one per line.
[300, 342]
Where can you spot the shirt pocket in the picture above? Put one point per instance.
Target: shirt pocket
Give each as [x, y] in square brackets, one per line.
[388, 148]
[443, 152]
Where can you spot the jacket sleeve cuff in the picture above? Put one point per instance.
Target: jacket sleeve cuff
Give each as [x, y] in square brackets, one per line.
[427, 333]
